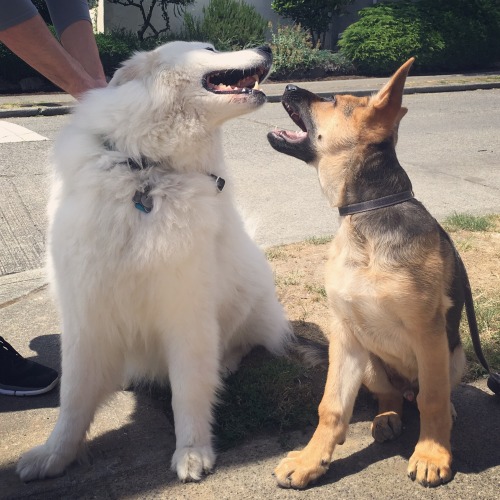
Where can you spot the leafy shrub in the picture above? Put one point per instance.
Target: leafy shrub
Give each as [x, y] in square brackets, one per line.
[13, 69]
[293, 52]
[385, 36]
[444, 35]
[118, 45]
[313, 15]
[470, 29]
[115, 47]
[228, 24]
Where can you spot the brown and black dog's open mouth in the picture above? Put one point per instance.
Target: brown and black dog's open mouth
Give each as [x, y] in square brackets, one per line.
[296, 102]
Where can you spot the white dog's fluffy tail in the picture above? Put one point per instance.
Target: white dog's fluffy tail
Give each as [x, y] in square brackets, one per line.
[311, 352]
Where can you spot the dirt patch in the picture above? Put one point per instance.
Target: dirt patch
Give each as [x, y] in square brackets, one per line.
[299, 275]
[278, 395]
[481, 255]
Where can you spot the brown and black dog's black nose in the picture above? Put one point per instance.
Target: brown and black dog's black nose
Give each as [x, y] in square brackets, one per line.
[292, 92]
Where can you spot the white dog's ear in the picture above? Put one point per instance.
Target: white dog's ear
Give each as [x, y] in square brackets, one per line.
[135, 67]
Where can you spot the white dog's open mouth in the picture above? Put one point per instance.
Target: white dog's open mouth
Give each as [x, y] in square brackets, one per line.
[235, 81]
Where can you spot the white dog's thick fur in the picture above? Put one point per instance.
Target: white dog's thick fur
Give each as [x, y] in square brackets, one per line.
[181, 292]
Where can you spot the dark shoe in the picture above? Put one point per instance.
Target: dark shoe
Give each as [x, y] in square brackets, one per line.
[22, 377]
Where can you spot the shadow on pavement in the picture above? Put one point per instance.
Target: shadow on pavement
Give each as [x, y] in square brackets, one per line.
[136, 456]
[475, 438]
[132, 454]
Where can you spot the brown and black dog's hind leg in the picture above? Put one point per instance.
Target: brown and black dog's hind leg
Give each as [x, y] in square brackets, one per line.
[387, 424]
[348, 360]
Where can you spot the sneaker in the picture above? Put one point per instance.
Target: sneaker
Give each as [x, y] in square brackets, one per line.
[23, 377]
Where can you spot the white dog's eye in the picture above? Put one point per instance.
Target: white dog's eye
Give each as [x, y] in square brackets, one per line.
[210, 48]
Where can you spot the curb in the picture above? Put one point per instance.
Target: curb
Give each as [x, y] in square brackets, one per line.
[271, 97]
[408, 90]
[35, 111]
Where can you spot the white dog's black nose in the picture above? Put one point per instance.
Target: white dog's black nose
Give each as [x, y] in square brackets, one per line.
[291, 88]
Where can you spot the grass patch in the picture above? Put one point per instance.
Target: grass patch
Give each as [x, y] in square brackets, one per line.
[275, 395]
[464, 245]
[275, 253]
[468, 222]
[291, 279]
[319, 240]
[271, 394]
[488, 321]
[318, 290]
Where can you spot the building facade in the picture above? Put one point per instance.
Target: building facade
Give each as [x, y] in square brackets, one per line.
[108, 16]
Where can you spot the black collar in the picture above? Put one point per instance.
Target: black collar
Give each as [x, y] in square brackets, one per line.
[142, 164]
[385, 201]
[142, 199]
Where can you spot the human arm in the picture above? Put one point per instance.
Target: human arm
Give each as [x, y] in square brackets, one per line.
[73, 66]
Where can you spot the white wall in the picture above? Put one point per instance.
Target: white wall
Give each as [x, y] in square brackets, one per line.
[118, 16]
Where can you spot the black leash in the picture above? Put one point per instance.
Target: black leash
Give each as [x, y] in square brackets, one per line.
[494, 378]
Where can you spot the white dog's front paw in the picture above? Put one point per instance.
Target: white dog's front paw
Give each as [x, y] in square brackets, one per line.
[190, 463]
[40, 462]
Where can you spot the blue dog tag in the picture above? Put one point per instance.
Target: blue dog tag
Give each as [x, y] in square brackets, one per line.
[142, 200]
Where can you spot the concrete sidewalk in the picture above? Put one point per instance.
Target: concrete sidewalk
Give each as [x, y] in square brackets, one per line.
[59, 103]
[132, 438]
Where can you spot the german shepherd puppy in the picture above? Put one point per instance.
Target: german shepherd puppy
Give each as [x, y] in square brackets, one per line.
[393, 280]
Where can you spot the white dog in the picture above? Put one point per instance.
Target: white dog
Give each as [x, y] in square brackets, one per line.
[152, 269]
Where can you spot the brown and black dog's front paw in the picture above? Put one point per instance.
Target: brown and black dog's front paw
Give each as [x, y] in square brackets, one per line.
[430, 464]
[299, 469]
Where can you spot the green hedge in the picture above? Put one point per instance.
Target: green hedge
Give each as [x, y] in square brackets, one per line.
[295, 56]
[228, 24]
[13, 69]
[117, 46]
[443, 35]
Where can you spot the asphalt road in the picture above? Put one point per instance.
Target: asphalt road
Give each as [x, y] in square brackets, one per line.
[449, 143]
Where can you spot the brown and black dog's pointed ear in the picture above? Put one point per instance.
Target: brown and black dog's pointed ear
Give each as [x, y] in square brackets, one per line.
[399, 117]
[389, 98]
[402, 112]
